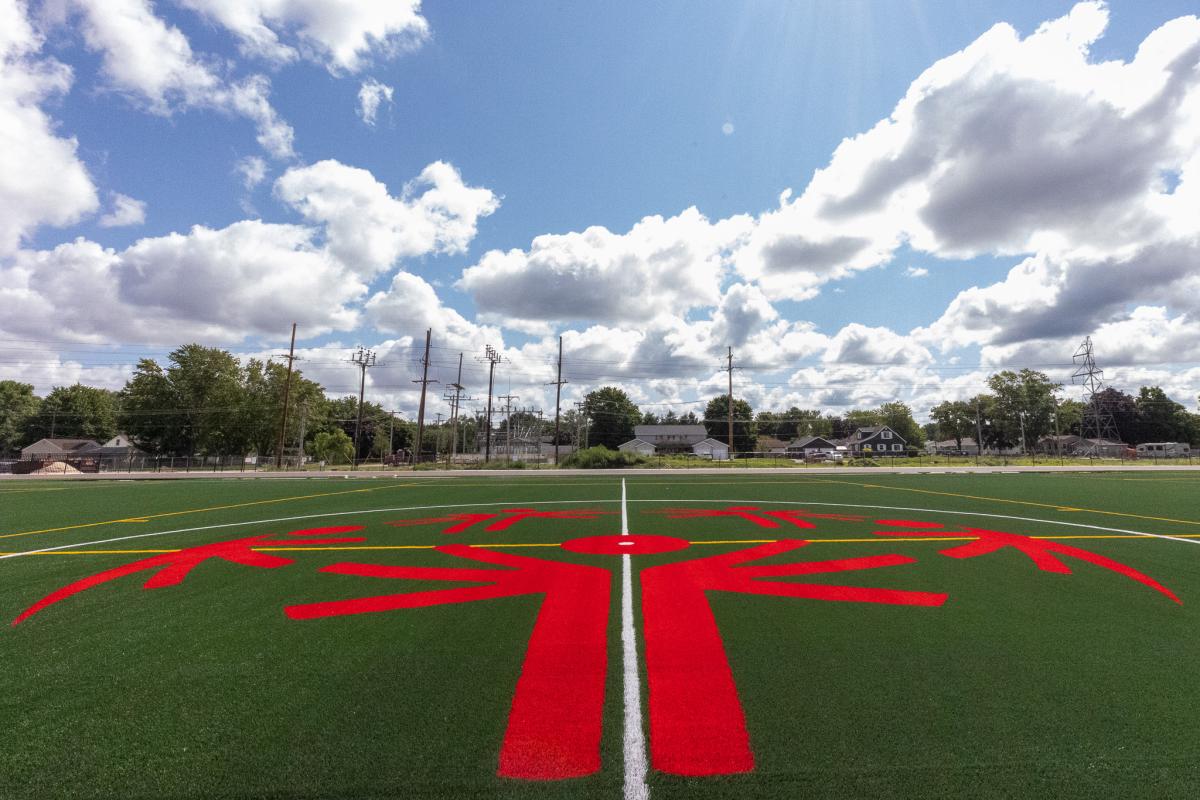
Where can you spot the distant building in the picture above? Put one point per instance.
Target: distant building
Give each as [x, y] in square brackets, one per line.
[1164, 450]
[876, 440]
[806, 446]
[657, 440]
[967, 446]
[49, 448]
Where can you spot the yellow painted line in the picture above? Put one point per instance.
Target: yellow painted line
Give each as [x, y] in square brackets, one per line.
[736, 541]
[25, 491]
[204, 510]
[1054, 506]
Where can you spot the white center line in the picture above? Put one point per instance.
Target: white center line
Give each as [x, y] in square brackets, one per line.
[635, 740]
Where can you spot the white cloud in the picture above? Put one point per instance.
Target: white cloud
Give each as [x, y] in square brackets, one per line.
[252, 170]
[1010, 146]
[372, 94]
[42, 180]
[152, 62]
[125, 211]
[369, 229]
[344, 35]
[659, 266]
[859, 344]
[727, 129]
[916, 272]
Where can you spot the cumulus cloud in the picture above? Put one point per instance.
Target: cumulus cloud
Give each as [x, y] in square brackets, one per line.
[660, 265]
[916, 272]
[371, 95]
[344, 35]
[369, 229]
[1012, 145]
[42, 180]
[859, 344]
[152, 62]
[125, 211]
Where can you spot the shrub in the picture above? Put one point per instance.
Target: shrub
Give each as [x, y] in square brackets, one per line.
[602, 458]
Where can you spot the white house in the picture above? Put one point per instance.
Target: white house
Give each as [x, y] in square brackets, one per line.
[1164, 450]
[639, 446]
[44, 448]
[712, 449]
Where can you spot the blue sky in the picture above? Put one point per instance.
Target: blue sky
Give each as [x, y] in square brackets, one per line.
[553, 119]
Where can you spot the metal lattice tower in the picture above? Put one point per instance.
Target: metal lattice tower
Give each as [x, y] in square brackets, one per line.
[1098, 421]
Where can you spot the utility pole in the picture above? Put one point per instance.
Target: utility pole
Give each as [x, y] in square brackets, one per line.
[508, 398]
[391, 431]
[1021, 418]
[978, 436]
[364, 360]
[421, 409]
[437, 437]
[287, 389]
[492, 357]
[581, 407]
[455, 404]
[558, 384]
[729, 407]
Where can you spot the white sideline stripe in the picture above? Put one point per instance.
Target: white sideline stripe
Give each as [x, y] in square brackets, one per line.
[635, 739]
[589, 502]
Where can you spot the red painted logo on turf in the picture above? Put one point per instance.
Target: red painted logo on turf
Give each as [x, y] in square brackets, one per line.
[697, 726]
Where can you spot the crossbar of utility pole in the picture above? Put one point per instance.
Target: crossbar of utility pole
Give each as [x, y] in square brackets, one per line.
[287, 389]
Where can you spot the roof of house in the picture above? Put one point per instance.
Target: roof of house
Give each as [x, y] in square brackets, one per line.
[770, 443]
[869, 431]
[712, 441]
[633, 442]
[642, 431]
[67, 445]
[805, 441]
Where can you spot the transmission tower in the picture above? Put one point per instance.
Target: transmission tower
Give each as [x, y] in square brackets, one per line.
[455, 399]
[493, 358]
[1098, 422]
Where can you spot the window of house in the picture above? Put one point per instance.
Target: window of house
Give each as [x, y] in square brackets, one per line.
[895, 447]
[886, 435]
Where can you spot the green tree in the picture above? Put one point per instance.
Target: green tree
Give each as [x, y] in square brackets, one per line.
[1023, 398]
[18, 406]
[1070, 417]
[1160, 419]
[75, 412]
[898, 417]
[716, 422]
[333, 447]
[613, 416]
[955, 419]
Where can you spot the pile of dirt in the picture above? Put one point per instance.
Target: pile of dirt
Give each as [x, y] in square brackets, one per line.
[56, 468]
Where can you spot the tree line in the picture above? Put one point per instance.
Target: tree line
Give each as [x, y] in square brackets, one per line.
[204, 401]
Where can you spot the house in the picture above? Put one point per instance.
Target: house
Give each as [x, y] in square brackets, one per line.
[1164, 450]
[769, 445]
[876, 440]
[952, 446]
[639, 446]
[61, 448]
[670, 438]
[1072, 445]
[657, 440]
[712, 449]
[806, 446]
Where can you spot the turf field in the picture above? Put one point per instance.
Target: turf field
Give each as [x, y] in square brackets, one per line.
[1021, 635]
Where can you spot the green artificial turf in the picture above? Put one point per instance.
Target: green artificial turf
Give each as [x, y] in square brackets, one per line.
[1025, 683]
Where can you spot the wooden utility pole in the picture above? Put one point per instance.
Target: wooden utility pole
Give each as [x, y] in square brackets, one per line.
[364, 360]
[287, 390]
[729, 369]
[424, 385]
[508, 398]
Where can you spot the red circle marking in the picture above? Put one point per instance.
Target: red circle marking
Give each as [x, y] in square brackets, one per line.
[636, 545]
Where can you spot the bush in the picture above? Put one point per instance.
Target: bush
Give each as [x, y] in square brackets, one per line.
[602, 458]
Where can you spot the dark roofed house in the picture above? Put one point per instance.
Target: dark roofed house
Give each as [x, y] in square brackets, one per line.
[671, 438]
[807, 445]
[877, 440]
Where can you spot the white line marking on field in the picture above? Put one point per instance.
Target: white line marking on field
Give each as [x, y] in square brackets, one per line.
[635, 739]
[937, 511]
